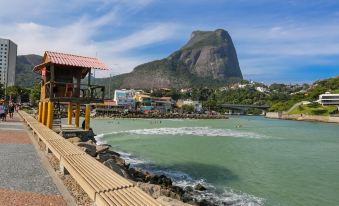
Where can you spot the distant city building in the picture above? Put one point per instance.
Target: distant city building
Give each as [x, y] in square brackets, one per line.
[196, 104]
[125, 98]
[329, 99]
[261, 89]
[8, 54]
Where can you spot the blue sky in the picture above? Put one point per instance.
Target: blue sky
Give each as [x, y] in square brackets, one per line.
[291, 41]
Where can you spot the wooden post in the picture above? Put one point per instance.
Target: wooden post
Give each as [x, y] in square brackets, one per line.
[51, 81]
[77, 114]
[70, 111]
[50, 115]
[40, 112]
[87, 116]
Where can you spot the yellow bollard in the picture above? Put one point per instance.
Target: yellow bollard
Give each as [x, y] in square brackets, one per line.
[87, 116]
[50, 115]
[44, 113]
[70, 111]
[77, 115]
[40, 112]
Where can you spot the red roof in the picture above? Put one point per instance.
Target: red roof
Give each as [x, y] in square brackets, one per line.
[71, 60]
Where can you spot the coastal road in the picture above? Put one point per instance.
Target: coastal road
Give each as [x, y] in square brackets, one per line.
[23, 178]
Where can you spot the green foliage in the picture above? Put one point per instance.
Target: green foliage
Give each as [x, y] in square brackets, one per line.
[322, 86]
[15, 92]
[187, 108]
[314, 105]
[34, 95]
[24, 76]
[314, 109]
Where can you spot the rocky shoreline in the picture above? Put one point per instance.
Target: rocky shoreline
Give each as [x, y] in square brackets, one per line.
[159, 187]
[160, 116]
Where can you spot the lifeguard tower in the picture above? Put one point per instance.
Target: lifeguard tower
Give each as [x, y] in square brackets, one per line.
[62, 76]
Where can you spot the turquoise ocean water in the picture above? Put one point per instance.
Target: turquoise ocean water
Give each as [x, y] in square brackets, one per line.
[242, 160]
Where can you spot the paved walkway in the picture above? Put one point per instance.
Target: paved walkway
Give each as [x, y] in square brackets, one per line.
[23, 179]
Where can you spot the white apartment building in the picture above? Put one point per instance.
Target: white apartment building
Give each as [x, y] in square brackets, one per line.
[8, 54]
[329, 99]
[125, 98]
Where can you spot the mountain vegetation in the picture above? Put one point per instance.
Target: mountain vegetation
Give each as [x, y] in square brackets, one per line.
[24, 76]
[208, 59]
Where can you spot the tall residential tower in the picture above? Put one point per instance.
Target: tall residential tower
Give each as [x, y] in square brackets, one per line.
[8, 54]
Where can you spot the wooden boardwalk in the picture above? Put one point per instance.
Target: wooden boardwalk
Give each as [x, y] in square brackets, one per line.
[104, 186]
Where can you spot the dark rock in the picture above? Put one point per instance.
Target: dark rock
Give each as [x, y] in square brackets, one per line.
[199, 187]
[137, 173]
[90, 148]
[178, 190]
[113, 153]
[189, 189]
[113, 166]
[206, 203]
[119, 161]
[101, 148]
[102, 157]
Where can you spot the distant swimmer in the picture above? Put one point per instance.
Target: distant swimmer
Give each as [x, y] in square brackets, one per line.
[238, 126]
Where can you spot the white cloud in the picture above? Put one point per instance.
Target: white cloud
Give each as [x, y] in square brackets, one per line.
[78, 37]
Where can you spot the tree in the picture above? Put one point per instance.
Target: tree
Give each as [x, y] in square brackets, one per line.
[13, 92]
[188, 108]
[34, 94]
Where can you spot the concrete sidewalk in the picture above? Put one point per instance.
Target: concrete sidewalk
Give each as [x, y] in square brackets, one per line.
[23, 179]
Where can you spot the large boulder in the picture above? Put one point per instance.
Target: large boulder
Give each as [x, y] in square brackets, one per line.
[199, 187]
[113, 153]
[102, 157]
[116, 168]
[156, 190]
[101, 148]
[74, 139]
[89, 148]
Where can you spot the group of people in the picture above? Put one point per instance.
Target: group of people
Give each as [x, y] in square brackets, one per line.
[6, 108]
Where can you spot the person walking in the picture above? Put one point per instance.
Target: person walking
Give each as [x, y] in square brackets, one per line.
[11, 107]
[5, 108]
[2, 111]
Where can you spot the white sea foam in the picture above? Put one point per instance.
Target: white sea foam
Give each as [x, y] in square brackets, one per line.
[99, 139]
[195, 131]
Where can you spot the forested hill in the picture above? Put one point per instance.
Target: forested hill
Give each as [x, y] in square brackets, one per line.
[24, 76]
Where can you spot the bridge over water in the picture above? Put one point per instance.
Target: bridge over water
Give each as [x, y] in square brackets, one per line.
[243, 108]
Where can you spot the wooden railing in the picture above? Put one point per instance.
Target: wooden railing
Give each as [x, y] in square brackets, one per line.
[103, 186]
[64, 91]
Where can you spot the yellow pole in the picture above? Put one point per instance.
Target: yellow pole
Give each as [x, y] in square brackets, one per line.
[50, 115]
[77, 114]
[44, 113]
[70, 110]
[40, 112]
[87, 116]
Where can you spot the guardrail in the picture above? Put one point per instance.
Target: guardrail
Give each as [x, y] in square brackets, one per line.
[103, 186]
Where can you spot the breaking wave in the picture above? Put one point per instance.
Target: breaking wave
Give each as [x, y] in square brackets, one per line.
[195, 131]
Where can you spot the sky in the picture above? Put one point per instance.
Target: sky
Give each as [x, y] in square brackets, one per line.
[285, 41]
